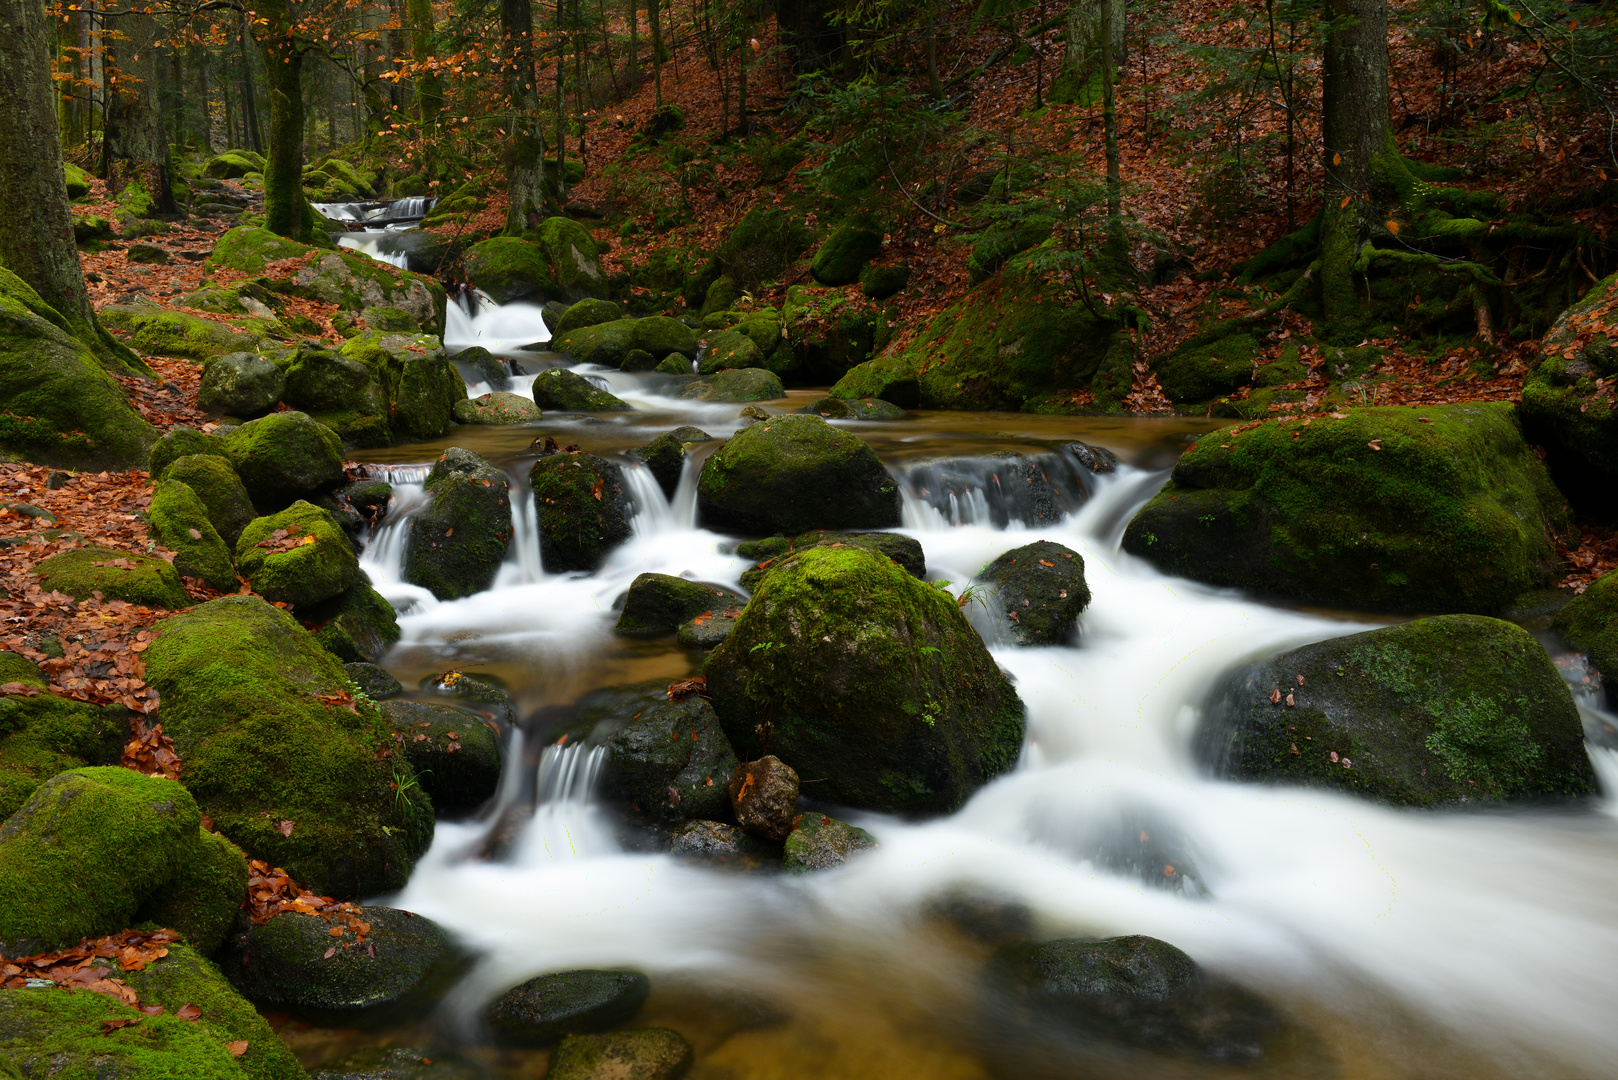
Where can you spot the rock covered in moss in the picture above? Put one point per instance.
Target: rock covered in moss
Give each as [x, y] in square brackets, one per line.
[240, 384]
[294, 779]
[421, 390]
[1212, 363]
[672, 761]
[869, 678]
[818, 842]
[276, 553]
[496, 408]
[665, 455]
[116, 575]
[181, 441]
[356, 626]
[1392, 509]
[206, 894]
[881, 282]
[341, 393]
[830, 333]
[458, 541]
[558, 388]
[846, 251]
[735, 385]
[830, 408]
[714, 843]
[485, 367]
[588, 312]
[284, 457]
[163, 332]
[708, 629]
[374, 682]
[1041, 591]
[582, 507]
[559, 264]
[795, 473]
[92, 849]
[764, 797]
[1457, 708]
[1566, 407]
[401, 965]
[676, 364]
[43, 735]
[483, 694]
[656, 604]
[179, 521]
[727, 350]
[546, 1008]
[213, 481]
[606, 344]
[400, 1063]
[250, 249]
[904, 550]
[1589, 623]
[640, 1054]
[231, 165]
[457, 755]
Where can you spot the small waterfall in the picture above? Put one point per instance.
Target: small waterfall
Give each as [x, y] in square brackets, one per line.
[398, 474]
[652, 515]
[683, 506]
[1031, 490]
[416, 206]
[522, 565]
[566, 822]
[340, 211]
[370, 244]
[383, 549]
[496, 327]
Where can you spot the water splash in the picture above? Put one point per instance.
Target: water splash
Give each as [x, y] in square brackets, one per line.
[496, 327]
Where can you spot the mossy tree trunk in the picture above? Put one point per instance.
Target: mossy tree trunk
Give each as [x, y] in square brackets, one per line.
[528, 195]
[429, 87]
[286, 211]
[1109, 123]
[1355, 130]
[137, 145]
[1084, 32]
[255, 141]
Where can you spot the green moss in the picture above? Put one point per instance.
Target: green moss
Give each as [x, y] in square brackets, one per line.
[727, 350]
[818, 842]
[78, 181]
[1208, 365]
[421, 390]
[587, 312]
[342, 393]
[845, 666]
[283, 457]
[356, 627]
[305, 574]
[582, 510]
[605, 343]
[828, 333]
[1589, 623]
[180, 441]
[1392, 509]
[496, 408]
[763, 246]
[1566, 409]
[458, 541]
[231, 165]
[176, 514]
[657, 604]
[240, 682]
[52, 1032]
[559, 388]
[206, 894]
[145, 579]
[250, 249]
[845, 252]
[213, 481]
[45, 735]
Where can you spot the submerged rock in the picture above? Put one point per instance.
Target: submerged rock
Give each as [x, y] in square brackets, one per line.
[544, 1009]
[673, 762]
[656, 604]
[458, 541]
[582, 508]
[714, 843]
[1438, 711]
[558, 388]
[1041, 591]
[642, 1054]
[868, 408]
[457, 756]
[400, 1063]
[818, 842]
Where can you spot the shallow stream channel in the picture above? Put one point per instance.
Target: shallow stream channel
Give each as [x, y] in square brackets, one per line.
[1390, 942]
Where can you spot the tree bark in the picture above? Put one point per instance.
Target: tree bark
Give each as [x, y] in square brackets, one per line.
[1084, 30]
[1354, 129]
[286, 212]
[137, 146]
[1109, 124]
[527, 193]
[429, 87]
[255, 137]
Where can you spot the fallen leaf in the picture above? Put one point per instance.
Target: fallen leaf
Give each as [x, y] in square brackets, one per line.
[237, 1048]
[284, 827]
[1375, 444]
[196, 534]
[189, 1011]
[1275, 697]
[110, 1026]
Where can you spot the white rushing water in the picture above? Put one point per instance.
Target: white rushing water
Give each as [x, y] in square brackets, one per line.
[496, 327]
[1499, 930]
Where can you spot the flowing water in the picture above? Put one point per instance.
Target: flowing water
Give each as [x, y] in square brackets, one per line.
[1405, 943]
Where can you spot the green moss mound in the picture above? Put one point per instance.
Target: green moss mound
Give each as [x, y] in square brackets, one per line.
[726, 350]
[1041, 591]
[116, 575]
[206, 894]
[78, 181]
[250, 249]
[211, 478]
[160, 332]
[570, 252]
[284, 457]
[1440, 508]
[846, 251]
[1589, 623]
[180, 441]
[604, 343]
[587, 313]
[458, 541]
[496, 408]
[306, 573]
[844, 666]
[179, 521]
[421, 391]
[44, 735]
[509, 269]
[356, 627]
[735, 386]
[1209, 365]
[342, 393]
[1438, 711]
[241, 682]
[790, 474]
[656, 604]
[582, 507]
[59, 1033]
[558, 388]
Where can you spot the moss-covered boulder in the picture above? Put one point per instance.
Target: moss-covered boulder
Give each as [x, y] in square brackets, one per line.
[181, 441]
[1440, 508]
[231, 165]
[179, 521]
[665, 455]
[458, 541]
[775, 551]
[1452, 709]
[43, 735]
[818, 842]
[544, 1009]
[294, 779]
[1040, 589]
[727, 349]
[1568, 406]
[828, 332]
[250, 249]
[881, 282]
[421, 389]
[558, 388]
[658, 603]
[859, 673]
[1589, 624]
[1215, 362]
[78, 181]
[456, 754]
[606, 344]
[583, 510]
[356, 626]
[672, 761]
[587, 313]
[117, 575]
[763, 246]
[639, 1054]
[736, 385]
[161, 332]
[715, 844]
[374, 682]
[499, 407]
[58, 406]
[342, 393]
[285, 457]
[212, 479]
[357, 282]
[559, 264]
[299, 556]
[94, 848]
[241, 384]
[794, 473]
[400, 965]
[830, 408]
[570, 253]
[846, 251]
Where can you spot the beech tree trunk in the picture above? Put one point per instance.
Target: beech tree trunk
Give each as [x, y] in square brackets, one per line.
[286, 212]
[526, 189]
[1105, 22]
[429, 87]
[137, 146]
[1354, 129]
[255, 140]
[1084, 47]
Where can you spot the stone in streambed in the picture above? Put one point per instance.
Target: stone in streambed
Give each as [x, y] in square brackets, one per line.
[486, 367]
[587, 312]
[727, 350]
[356, 626]
[869, 408]
[544, 1009]
[735, 385]
[1041, 591]
[1589, 623]
[496, 408]
[707, 630]
[374, 682]
[340, 392]
[764, 797]
[665, 455]
[656, 604]
[240, 384]
[293, 568]
[1434, 712]
[116, 575]
[558, 388]
[818, 842]
[482, 694]
[673, 761]
[456, 755]
[714, 843]
[641, 1054]
[458, 541]
[400, 1063]
[178, 521]
[284, 457]
[212, 479]
[582, 508]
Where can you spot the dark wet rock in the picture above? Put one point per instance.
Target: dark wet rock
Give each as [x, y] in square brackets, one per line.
[656, 604]
[1589, 623]
[400, 1063]
[457, 755]
[485, 367]
[458, 541]
[240, 384]
[665, 455]
[544, 1009]
[714, 843]
[481, 693]
[764, 797]
[796, 473]
[854, 409]
[1567, 405]
[370, 498]
[558, 388]
[985, 916]
[848, 668]
[735, 385]
[294, 962]
[582, 507]
[1041, 591]
[356, 626]
[641, 1054]
[1098, 459]
[499, 407]
[819, 842]
[284, 457]
[673, 761]
[306, 572]
[640, 360]
[374, 682]
[1452, 709]
[1014, 487]
[707, 630]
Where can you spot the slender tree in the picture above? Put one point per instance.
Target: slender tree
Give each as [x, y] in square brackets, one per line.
[1354, 129]
[1109, 123]
[136, 145]
[286, 211]
[526, 188]
[429, 87]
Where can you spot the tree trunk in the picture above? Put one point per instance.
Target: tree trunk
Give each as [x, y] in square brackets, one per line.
[933, 84]
[526, 190]
[255, 138]
[1354, 129]
[634, 47]
[138, 148]
[655, 18]
[286, 213]
[429, 87]
[1083, 50]
[1109, 125]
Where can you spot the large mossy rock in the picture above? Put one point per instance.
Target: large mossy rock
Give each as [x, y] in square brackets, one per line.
[846, 251]
[544, 1009]
[242, 686]
[763, 246]
[583, 510]
[250, 250]
[790, 474]
[828, 334]
[851, 669]
[212, 479]
[639, 1054]
[1589, 623]
[94, 849]
[422, 391]
[1457, 708]
[181, 441]
[558, 388]
[458, 541]
[560, 264]
[357, 626]
[161, 332]
[1439, 508]
[1568, 405]
[672, 761]
[402, 964]
[1215, 362]
[342, 393]
[735, 386]
[726, 350]
[587, 313]
[457, 755]
[310, 560]
[1041, 591]
[178, 520]
[43, 735]
[117, 575]
[240, 384]
[284, 457]
[656, 604]
[499, 407]
[609, 343]
[58, 406]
